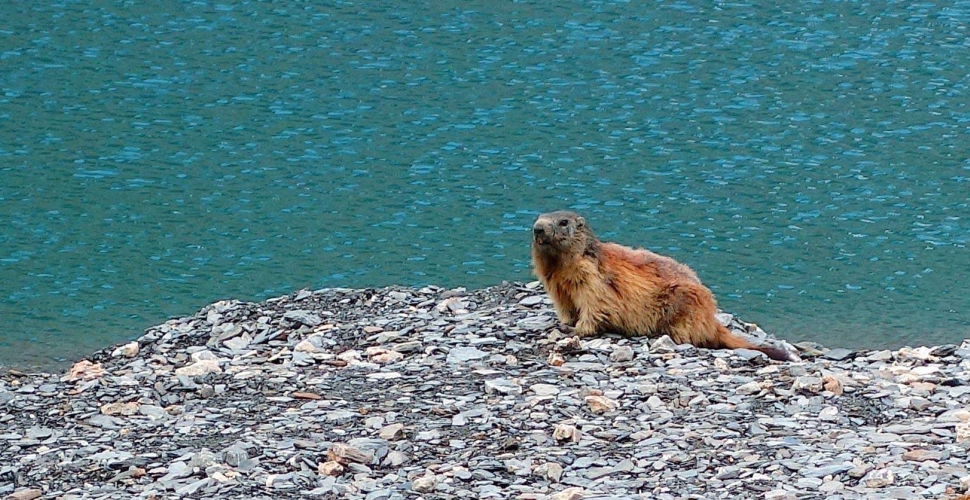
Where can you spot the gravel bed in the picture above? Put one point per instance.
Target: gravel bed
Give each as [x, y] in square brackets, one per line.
[401, 393]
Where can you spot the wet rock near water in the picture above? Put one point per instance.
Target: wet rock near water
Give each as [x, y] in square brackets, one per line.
[451, 394]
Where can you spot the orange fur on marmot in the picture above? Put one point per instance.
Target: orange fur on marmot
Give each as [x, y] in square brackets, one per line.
[599, 287]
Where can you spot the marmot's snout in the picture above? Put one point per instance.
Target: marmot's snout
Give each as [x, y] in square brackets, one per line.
[542, 231]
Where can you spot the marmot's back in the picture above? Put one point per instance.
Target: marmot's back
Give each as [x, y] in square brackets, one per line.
[645, 261]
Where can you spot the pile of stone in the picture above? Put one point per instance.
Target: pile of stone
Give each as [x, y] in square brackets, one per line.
[452, 394]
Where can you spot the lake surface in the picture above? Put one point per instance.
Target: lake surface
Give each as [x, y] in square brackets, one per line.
[811, 161]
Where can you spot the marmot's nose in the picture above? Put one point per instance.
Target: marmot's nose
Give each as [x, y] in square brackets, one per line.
[541, 230]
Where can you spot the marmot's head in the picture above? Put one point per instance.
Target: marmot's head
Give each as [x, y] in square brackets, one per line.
[562, 232]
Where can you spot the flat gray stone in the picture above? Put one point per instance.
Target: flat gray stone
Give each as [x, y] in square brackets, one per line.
[827, 470]
[177, 470]
[622, 354]
[544, 389]
[464, 354]
[750, 355]
[304, 317]
[662, 345]
[838, 354]
[503, 386]
[342, 416]
[193, 487]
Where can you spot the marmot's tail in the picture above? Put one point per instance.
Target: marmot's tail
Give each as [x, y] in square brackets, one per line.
[730, 340]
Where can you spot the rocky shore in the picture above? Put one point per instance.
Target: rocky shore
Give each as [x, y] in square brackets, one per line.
[451, 394]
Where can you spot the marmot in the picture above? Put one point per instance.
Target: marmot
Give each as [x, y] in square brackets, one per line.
[600, 287]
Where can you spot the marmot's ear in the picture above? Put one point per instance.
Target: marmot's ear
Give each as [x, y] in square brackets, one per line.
[580, 222]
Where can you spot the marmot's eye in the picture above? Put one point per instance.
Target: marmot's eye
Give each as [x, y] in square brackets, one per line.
[564, 223]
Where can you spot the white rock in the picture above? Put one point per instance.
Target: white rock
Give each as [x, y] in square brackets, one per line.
[238, 343]
[753, 387]
[879, 478]
[392, 432]
[549, 470]
[199, 368]
[519, 467]
[83, 370]
[566, 432]
[780, 495]
[963, 432]
[424, 484]
[454, 305]
[600, 404]
[621, 354]
[555, 359]
[544, 389]
[880, 356]
[965, 483]
[662, 345]
[807, 384]
[574, 493]
[655, 403]
[129, 350]
[395, 459]
[920, 353]
[305, 346]
[330, 468]
[831, 487]
[829, 414]
[350, 356]
[382, 356]
[204, 355]
[502, 386]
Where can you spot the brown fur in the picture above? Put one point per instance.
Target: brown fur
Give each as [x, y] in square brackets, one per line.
[600, 287]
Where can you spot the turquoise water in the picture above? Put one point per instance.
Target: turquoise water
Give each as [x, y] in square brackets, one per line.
[811, 161]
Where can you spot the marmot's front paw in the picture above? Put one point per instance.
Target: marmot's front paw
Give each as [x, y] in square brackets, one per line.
[584, 329]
